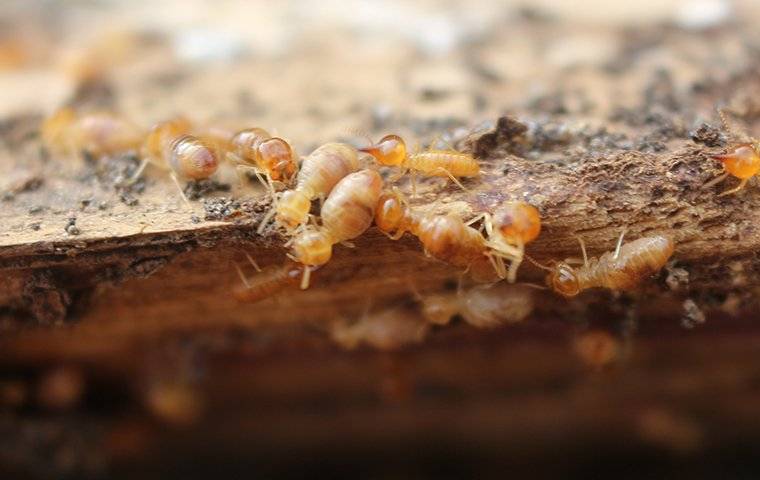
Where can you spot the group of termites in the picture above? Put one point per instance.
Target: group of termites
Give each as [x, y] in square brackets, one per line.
[346, 182]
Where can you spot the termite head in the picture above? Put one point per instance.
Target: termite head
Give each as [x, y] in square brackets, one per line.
[55, 128]
[192, 158]
[312, 247]
[743, 162]
[293, 209]
[564, 280]
[159, 139]
[438, 309]
[517, 222]
[390, 212]
[278, 158]
[389, 151]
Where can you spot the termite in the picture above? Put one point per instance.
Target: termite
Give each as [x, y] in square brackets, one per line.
[267, 284]
[170, 147]
[510, 228]
[596, 348]
[346, 214]
[482, 306]
[98, 133]
[320, 172]
[622, 269]
[445, 237]
[391, 151]
[742, 162]
[386, 330]
[255, 148]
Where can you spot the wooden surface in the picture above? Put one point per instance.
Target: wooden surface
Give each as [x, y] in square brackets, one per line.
[602, 124]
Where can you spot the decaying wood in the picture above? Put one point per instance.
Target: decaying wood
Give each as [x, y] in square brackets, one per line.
[122, 347]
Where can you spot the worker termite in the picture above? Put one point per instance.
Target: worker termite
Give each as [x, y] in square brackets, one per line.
[510, 228]
[386, 330]
[255, 148]
[742, 162]
[445, 237]
[170, 147]
[267, 284]
[97, 133]
[622, 269]
[346, 214]
[391, 151]
[320, 172]
[482, 306]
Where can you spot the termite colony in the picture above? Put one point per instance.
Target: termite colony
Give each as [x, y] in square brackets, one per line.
[353, 194]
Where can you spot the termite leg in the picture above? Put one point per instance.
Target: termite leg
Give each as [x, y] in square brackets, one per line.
[583, 250]
[242, 276]
[619, 244]
[452, 177]
[348, 244]
[734, 190]
[715, 180]
[398, 176]
[515, 264]
[136, 176]
[305, 277]
[265, 221]
[253, 262]
[179, 187]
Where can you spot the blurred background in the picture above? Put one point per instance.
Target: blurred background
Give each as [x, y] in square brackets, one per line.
[559, 396]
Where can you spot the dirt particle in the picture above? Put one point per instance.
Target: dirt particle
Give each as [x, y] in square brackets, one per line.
[197, 189]
[71, 226]
[127, 198]
[708, 135]
[221, 208]
[677, 277]
[508, 133]
[692, 315]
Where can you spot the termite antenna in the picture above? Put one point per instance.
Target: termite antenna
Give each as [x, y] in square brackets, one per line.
[534, 262]
[359, 132]
[736, 134]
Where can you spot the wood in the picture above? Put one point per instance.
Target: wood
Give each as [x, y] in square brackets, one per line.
[122, 299]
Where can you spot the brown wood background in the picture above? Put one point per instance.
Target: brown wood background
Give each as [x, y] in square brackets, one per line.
[124, 354]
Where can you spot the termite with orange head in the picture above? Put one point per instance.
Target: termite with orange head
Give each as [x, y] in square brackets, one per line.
[482, 306]
[742, 161]
[622, 269]
[255, 148]
[346, 214]
[510, 228]
[445, 237]
[69, 132]
[320, 172]
[170, 146]
[391, 151]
